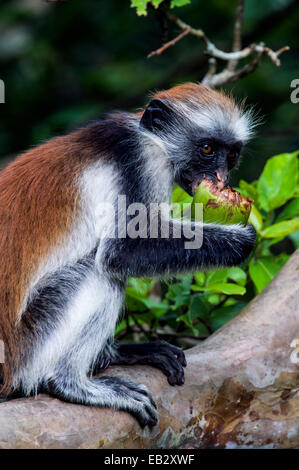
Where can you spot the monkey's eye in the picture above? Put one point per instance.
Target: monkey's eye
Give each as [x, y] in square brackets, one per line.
[232, 155]
[207, 149]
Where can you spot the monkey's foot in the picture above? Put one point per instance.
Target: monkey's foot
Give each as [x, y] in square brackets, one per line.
[164, 356]
[109, 392]
[133, 398]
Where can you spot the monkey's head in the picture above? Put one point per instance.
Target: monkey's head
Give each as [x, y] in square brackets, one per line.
[202, 130]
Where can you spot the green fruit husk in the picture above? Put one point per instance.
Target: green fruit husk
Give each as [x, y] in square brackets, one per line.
[221, 205]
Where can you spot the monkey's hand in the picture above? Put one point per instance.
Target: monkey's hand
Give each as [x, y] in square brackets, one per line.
[160, 354]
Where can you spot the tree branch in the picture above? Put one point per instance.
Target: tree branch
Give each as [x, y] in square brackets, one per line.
[230, 72]
[237, 41]
[228, 76]
[169, 43]
[241, 390]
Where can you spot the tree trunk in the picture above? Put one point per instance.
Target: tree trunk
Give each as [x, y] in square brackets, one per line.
[241, 390]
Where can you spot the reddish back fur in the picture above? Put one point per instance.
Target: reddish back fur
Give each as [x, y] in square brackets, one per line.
[38, 204]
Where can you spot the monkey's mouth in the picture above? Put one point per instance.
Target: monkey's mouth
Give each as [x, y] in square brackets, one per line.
[217, 181]
[220, 179]
[190, 182]
[190, 185]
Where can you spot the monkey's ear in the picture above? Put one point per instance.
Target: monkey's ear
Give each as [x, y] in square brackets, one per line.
[155, 116]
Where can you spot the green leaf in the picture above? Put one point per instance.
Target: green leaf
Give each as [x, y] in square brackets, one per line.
[199, 329]
[179, 3]
[290, 210]
[278, 181]
[134, 301]
[140, 6]
[223, 314]
[295, 238]
[269, 242]
[238, 275]
[200, 278]
[123, 325]
[156, 3]
[152, 304]
[282, 228]
[256, 218]
[199, 307]
[220, 276]
[216, 277]
[222, 288]
[263, 271]
[247, 190]
[179, 293]
[214, 299]
[185, 318]
[142, 286]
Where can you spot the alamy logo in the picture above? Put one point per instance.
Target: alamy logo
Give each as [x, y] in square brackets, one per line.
[294, 358]
[295, 93]
[140, 221]
[2, 92]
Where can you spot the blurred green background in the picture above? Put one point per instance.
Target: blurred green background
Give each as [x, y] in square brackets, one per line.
[65, 63]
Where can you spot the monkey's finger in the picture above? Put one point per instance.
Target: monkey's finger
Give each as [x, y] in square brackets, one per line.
[171, 367]
[175, 350]
[177, 366]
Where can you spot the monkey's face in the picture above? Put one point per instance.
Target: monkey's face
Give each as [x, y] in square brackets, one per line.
[201, 141]
[208, 157]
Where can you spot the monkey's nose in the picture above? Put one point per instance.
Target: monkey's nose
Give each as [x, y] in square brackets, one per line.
[221, 176]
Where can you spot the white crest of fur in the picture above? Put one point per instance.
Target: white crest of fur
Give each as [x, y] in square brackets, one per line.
[233, 122]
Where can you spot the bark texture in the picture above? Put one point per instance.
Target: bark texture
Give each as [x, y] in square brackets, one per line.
[241, 390]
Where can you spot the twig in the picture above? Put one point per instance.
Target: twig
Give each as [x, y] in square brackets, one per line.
[181, 24]
[169, 43]
[211, 70]
[228, 76]
[229, 73]
[274, 56]
[237, 41]
[213, 51]
[160, 14]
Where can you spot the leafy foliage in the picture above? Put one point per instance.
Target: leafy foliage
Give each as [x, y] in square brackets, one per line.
[141, 5]
[197, 305]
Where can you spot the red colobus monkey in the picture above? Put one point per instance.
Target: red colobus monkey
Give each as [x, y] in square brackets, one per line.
[62, 280]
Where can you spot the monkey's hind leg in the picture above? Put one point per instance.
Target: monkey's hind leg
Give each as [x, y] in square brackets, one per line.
[160, 354]
[109, 392]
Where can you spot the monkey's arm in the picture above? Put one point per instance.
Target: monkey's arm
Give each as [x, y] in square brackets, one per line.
[221, 246]
[164, 356]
